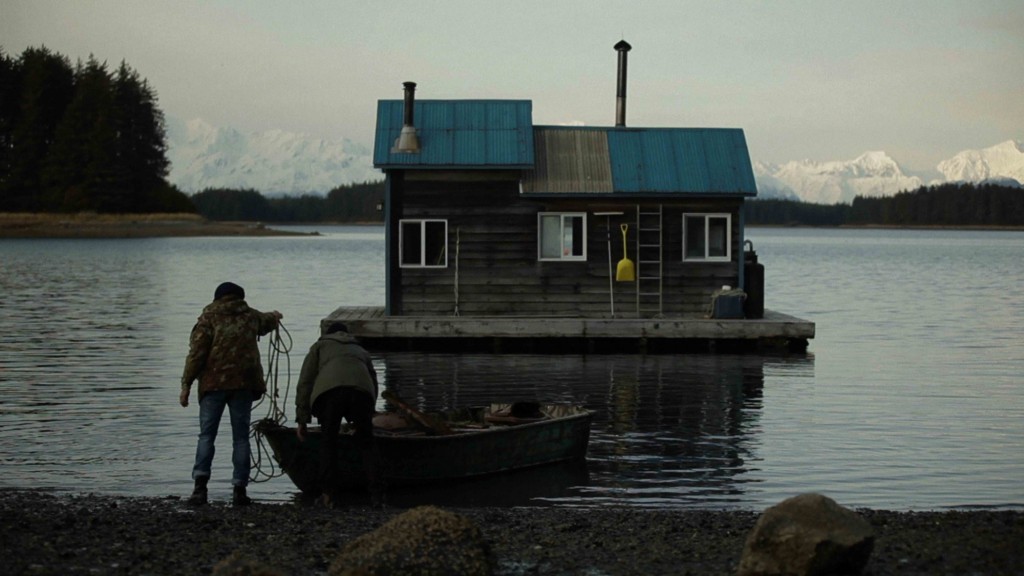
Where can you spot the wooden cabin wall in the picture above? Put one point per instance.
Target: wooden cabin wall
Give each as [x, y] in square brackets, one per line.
[492, 246]
[688, 286]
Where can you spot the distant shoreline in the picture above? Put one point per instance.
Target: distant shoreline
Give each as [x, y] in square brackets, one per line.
[90, 225]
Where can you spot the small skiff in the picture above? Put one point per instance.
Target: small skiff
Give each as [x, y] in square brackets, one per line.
[417, 448]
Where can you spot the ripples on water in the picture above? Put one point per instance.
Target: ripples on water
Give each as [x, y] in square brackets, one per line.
[909, 397]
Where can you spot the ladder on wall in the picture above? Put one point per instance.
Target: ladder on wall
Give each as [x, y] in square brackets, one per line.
[649, 261]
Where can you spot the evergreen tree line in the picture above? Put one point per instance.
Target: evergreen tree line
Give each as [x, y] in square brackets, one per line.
[348, 203]
[960, 204]
[952, 204]
[81, 138]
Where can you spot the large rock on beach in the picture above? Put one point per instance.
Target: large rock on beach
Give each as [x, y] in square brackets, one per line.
[238, 564]
[424, 541]
[807, 535]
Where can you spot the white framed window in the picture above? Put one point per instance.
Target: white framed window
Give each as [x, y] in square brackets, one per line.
[562, 236]
[423, 243]
[707, 237]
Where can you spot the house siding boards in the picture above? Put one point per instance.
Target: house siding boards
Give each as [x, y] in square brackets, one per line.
[492, 247]
[688, 286]
[493, 268]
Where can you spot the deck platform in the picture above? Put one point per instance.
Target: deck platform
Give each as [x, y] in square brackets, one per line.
[553, 334]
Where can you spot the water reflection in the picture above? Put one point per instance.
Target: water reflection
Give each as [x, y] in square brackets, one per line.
[670, 431]
[539, 486]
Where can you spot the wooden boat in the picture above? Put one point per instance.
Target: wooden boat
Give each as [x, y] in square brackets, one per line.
[420, 448]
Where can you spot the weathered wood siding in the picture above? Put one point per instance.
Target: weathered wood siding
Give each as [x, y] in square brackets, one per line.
[492, 248]
[688, 285]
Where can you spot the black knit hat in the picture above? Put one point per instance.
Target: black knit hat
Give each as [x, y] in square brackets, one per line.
[228, 288]
[337, 327]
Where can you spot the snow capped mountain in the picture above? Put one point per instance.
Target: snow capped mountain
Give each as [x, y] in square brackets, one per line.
[272, 162]
[768, 186]
[870, 174]
[999, 162]
[876, 174]
[279, 162]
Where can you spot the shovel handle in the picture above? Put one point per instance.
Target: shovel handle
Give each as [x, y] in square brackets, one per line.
[625, 229]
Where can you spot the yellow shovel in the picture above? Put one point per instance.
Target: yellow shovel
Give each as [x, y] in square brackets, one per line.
[625, 272]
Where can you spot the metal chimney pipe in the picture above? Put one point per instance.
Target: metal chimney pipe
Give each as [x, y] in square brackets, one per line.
[408, 142]
[410, 98]
[620, 93]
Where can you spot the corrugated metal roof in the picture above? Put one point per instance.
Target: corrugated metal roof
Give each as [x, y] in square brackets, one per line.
[706, 161]
[458, 134]
[569, 161]
[473, 134]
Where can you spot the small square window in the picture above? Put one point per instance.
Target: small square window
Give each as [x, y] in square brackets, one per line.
[707, 237]
[423, 243]
[562, 236]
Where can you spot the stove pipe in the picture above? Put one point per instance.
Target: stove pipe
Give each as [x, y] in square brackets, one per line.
[620, 93]
[408, 142]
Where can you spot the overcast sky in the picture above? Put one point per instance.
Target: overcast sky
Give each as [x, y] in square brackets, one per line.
[822, 80]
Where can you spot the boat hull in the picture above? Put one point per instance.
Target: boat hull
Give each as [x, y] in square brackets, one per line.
[414, 459]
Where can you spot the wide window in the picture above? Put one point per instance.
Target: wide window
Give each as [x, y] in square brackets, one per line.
[423, 243]
[707, 237]
[562, 236]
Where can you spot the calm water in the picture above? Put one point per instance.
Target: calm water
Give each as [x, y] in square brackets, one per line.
[910, 396]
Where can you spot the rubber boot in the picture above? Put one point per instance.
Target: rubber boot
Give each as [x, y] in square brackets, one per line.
[198, 497]
[239, 497]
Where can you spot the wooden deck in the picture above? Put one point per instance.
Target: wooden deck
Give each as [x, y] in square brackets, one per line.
[541, 334]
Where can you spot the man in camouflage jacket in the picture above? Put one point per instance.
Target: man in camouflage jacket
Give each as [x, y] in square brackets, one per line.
[224, 356]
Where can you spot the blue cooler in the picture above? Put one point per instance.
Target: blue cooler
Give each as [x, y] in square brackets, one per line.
[727, 303]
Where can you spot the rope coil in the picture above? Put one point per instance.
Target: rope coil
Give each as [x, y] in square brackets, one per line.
[277, 347]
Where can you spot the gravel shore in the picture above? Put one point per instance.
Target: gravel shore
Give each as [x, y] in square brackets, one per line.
[47, 533]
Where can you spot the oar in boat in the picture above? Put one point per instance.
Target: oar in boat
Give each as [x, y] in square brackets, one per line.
[432, 425]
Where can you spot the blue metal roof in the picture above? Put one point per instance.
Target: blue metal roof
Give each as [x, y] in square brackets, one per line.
[705, 161]
[566, 160]
[458, 134]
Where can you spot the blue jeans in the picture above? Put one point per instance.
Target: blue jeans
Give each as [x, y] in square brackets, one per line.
[211, 408]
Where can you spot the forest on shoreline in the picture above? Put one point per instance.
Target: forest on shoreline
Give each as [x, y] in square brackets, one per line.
[961, 205]
[946, 205]
[953, 205]
[81, 138]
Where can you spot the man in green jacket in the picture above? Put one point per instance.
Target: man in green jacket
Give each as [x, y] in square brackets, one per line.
[338, 381]
[224, 356]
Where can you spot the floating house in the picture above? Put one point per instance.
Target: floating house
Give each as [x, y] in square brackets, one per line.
[506, 235]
